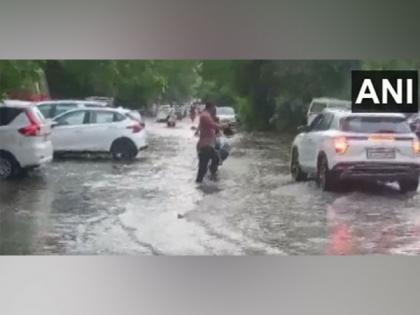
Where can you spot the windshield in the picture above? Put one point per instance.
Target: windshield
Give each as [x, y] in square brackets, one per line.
[375, 125]
[225, 111]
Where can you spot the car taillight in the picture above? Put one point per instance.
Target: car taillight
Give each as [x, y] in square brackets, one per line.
[135, 127]
[34, 127]
[416, 146]
[340, 145]
[381, 137]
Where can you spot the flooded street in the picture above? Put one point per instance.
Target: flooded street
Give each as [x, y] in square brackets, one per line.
[152, 206]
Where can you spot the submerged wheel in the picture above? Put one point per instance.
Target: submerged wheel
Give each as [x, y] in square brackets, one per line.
[408, 185]
[8, 166]
[123, 149]
[298, 174]
[325, 177]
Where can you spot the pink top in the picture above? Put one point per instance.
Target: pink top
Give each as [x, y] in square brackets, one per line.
[207, 128]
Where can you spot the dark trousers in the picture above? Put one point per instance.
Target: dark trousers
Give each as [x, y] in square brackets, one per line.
[206, 155]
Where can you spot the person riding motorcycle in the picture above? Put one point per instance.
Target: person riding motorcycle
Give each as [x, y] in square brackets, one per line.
[171, 119]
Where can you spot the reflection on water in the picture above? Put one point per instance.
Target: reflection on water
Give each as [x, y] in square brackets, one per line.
[152, 206]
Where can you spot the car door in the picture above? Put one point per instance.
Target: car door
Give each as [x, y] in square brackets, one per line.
[103, 130]
[69, 131]
[307, 143]
[316, 138]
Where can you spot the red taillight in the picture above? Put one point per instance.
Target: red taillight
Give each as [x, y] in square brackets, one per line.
[416, 146]
[34, 127]
[136, 127]
[340, 145]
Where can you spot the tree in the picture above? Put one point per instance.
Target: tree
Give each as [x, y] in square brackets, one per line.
[18, 74]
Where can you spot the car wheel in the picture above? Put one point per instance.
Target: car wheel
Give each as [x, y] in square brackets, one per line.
[8, 167]
[123, 149]
[408, 185]
[325, 178]
[298, 174]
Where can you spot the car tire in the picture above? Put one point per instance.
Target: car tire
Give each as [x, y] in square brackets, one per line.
[123, 149]
[325, 178]
[408, 185]
[9, 167]
[298, 174]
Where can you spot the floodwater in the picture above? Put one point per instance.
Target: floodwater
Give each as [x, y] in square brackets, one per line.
[152, 206]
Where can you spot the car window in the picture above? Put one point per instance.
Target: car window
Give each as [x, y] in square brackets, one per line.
[104, 117]
[317, 107]
[73, 118]
[325, 122]
[92, 105]
[225, 111]
[315, 122]
[120, 117]
[377, 124]
[61, 108]
[7, 115]
[46, 110]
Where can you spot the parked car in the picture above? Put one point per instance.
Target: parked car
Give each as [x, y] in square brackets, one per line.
[414, 122]
[319, 104]
[163, 112]
[99, 130]
[51, 109]
[24, 138]
[339, 145]
[226, 114]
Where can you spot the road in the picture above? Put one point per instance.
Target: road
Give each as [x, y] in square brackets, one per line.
[152, 206]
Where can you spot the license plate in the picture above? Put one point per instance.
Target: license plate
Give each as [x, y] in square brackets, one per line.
[379, 153]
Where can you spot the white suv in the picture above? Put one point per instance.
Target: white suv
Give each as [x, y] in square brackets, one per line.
[99, 130]
[24, 138]
[339, 145]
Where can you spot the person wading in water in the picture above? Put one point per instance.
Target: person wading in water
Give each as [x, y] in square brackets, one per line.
[207, 129]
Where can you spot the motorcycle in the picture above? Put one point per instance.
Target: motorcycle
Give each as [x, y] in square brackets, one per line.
[171, 121]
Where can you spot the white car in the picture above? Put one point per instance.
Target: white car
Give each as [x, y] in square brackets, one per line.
[319, 104]
[99, 130]
[51, 109]
[163, 113]
[226, 114]
[340, 145]
[24, 138]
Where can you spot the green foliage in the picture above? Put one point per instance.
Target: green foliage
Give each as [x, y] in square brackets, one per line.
[18, 74]
[267, 94]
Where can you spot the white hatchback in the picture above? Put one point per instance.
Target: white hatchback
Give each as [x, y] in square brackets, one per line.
[24, 138]
[339, 145]
[99, 130]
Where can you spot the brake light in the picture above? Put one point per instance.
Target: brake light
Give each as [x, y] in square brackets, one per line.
[136, 127]
[340, 145]
[34, 127]
[416, 146]
[380, 137]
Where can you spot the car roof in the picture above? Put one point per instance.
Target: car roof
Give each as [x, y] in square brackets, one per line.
[16, 103]
[99, 103]
[330, 100]
[348, 113]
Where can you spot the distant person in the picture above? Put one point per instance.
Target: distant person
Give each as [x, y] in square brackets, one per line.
[193, 112]
[207, 129]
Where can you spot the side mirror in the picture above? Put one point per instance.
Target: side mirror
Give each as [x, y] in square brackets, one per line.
[303, 128]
